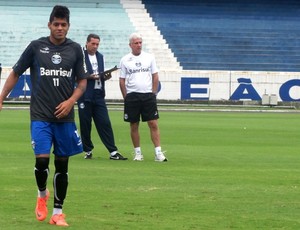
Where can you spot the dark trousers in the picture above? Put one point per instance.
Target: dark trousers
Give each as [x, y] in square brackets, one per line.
[95, 109]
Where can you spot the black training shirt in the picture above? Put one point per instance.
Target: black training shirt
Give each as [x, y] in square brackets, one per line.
[53, 73]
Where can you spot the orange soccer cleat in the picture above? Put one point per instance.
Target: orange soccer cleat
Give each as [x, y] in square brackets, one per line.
[41, 210]
[59, 220]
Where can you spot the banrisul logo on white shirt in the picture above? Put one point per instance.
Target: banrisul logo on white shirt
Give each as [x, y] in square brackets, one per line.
[139, 70]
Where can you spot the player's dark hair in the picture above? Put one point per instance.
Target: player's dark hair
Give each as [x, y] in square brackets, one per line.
[61, 12]
[90, 36]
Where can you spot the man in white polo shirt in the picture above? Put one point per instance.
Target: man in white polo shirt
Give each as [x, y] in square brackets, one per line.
[139, 84]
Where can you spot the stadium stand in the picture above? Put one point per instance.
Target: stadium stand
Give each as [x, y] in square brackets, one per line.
[152, 38]
[248, 35]
[27, 20]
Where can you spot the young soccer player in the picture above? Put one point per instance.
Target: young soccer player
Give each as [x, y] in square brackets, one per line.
[55, 63]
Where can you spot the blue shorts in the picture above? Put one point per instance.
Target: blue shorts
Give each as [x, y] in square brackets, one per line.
[63, 136]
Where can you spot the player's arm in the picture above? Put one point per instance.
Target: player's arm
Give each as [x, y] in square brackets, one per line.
[20, 67]
[79, 90]
[9, 84]
[122, 86]
[155, 82]
[64, 108]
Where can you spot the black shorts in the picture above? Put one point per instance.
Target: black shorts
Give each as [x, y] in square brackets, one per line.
[138, 105]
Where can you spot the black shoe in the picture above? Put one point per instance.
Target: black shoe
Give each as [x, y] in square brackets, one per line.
[118, 156]
[88, 155]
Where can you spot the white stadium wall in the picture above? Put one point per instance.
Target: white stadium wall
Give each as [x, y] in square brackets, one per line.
[204, 85]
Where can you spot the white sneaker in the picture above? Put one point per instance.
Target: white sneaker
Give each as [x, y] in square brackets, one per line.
[160, 157]
[138, 157]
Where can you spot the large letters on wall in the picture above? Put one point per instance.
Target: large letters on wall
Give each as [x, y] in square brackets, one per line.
[197, 89]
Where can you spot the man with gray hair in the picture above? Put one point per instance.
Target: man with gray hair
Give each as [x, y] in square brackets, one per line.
[139, 86]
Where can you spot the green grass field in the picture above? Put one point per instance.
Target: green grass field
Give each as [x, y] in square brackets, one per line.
[225, 171]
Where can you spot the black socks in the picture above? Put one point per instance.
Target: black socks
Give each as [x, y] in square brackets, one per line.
[41, 172]
[60, 181]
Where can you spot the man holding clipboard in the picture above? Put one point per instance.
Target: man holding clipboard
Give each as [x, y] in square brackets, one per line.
[92, 104]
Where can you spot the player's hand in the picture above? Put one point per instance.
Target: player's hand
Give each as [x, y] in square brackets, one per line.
[63, 109]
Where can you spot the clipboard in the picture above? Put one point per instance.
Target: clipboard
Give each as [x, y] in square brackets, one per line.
[107, 73]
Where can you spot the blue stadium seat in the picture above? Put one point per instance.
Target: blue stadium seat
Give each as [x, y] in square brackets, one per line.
[257, 35]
